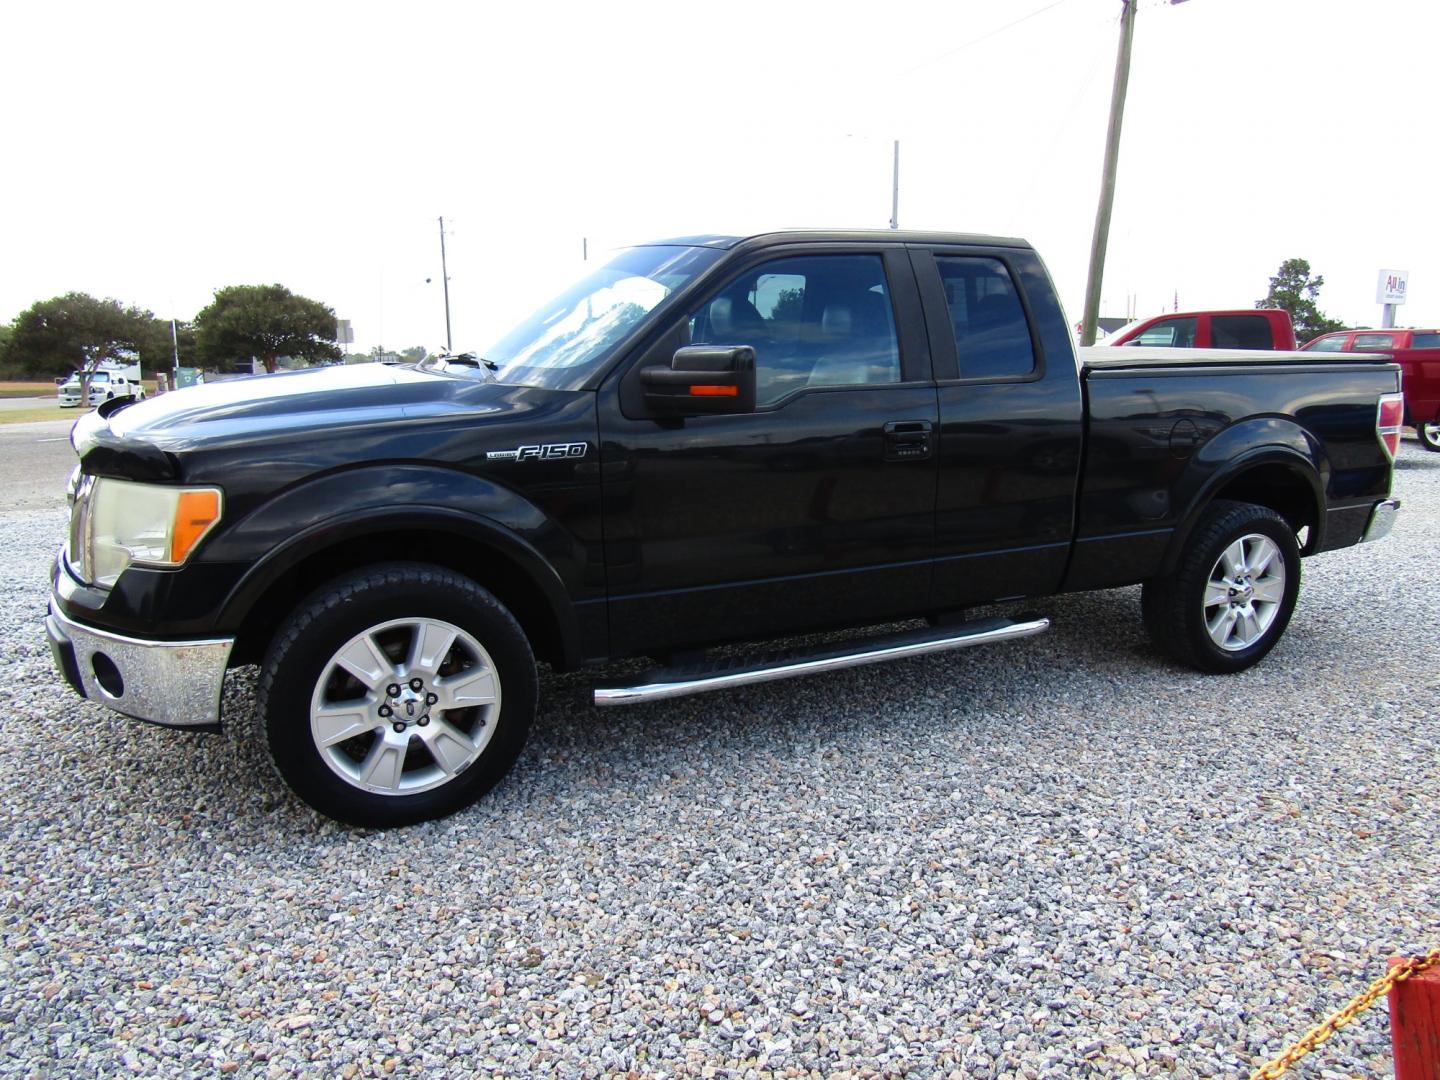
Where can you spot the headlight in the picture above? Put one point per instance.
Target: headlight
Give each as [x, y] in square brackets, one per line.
[144, 524]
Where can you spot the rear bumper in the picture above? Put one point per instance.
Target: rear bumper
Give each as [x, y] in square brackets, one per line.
[1382, 520]
[174, 683]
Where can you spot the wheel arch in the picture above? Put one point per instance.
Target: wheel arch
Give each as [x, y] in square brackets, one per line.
[1277, 477]
[483, 551]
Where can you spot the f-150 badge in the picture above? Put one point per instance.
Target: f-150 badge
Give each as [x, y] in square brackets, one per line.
[542, 452]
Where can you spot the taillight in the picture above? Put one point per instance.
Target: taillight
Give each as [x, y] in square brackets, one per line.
[1388, 416]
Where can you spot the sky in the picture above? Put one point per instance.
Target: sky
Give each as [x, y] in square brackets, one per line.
[156, 152]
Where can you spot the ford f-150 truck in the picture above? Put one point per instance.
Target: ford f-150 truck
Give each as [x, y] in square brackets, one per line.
[707, 441]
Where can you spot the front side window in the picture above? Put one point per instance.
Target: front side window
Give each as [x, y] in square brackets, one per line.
[1240, 332]
[813, 320]
[1374, 341]
[992, 335]
[561, 345]
[1168, 334]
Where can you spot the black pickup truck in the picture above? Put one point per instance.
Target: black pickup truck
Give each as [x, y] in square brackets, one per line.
[707, 441]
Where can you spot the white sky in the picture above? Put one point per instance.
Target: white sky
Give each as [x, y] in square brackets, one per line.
[156, 152]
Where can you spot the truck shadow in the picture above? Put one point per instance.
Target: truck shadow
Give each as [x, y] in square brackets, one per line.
[1082, 682]
[898, 699]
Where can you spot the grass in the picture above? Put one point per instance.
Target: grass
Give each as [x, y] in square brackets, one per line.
[20, 389]
[42, 412]
[26, 389]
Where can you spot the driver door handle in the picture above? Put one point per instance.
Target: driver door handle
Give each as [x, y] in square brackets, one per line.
[908, 440]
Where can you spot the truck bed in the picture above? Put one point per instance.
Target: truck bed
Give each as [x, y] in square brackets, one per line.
[1101, 358]
[1160, 422]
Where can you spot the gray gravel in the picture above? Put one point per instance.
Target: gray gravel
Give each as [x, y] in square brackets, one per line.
[1063, 857]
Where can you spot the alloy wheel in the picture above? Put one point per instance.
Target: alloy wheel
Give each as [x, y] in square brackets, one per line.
[405, 706]
[1244, 593]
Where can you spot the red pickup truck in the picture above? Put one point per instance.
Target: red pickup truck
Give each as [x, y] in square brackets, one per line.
[1418, 354]
[1243, 328]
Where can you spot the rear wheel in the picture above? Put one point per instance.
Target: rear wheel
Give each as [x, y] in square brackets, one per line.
[397, 694]
[1232, 594]
[1429, 435]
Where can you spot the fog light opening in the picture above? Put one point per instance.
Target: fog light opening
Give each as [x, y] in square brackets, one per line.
[107, 675]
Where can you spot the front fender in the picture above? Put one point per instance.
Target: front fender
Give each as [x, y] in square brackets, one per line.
[305, 520]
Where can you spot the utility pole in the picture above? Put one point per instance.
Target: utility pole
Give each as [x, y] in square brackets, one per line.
[1107, 183]
[445, 282]
[895, 190]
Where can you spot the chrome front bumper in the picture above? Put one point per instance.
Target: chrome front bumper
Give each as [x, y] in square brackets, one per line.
[175, 683]
[1382, 520]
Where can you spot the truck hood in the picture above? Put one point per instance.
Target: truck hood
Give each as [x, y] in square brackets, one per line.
[284, 400]
[349, 405]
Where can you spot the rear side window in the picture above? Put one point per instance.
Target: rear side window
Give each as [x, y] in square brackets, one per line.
[1168, 334]
[1328, 344]
[1425, 339]
[992, 335]
[1240, 332]
[1374, 341]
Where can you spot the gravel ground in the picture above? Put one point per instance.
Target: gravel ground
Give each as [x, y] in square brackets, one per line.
[1063, 857]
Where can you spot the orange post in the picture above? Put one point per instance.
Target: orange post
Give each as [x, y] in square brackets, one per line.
[1415, 1025]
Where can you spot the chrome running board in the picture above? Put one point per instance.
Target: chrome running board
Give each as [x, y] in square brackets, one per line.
[680, 681]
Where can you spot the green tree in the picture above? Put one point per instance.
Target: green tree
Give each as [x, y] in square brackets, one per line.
[158, 347]
[412, 355]
[789, 306]
[1295, 291]
[75, 331]
[264, 321]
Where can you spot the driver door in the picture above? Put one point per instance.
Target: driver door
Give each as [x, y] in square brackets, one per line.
[815, 509]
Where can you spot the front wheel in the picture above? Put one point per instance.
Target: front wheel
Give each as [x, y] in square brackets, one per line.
[397, 694]
[1429, 435]
[1233, 592]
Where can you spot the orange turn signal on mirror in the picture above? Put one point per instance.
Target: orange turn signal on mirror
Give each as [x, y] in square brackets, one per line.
[194, 514]
[714, 391]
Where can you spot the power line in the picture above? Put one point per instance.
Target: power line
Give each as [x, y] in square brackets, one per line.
[982, 38]
[1077, 98]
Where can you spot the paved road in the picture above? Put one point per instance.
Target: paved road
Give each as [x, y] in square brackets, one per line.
[14, 403]
[35, 460]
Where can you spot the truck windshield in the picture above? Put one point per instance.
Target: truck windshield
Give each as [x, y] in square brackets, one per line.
[564, 342]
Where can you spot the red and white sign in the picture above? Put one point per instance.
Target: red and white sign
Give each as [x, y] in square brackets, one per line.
[1390, 289]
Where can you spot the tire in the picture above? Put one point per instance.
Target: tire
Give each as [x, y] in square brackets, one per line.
[397, 694]
[1233, 592]
[1429, 435]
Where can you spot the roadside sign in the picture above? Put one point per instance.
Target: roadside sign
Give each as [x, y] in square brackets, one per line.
[1390, 289]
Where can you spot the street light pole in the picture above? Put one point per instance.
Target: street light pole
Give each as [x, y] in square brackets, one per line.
[1107, 183]
[445, 282]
